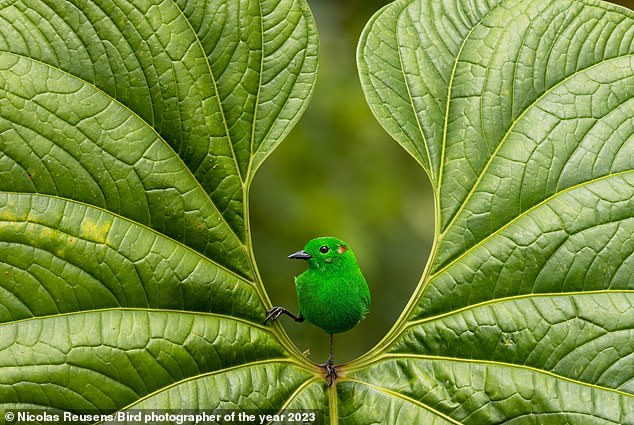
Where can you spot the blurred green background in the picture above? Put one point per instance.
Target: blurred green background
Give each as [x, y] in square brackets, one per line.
[339, 174]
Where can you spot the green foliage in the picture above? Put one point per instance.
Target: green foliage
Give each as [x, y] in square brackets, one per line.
[129, 137]
[130, 133]
[521, 112]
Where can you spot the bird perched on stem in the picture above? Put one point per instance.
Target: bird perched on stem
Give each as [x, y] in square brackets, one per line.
[332, 293]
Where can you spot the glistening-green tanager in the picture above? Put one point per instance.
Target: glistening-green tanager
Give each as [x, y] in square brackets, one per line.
[332, 292]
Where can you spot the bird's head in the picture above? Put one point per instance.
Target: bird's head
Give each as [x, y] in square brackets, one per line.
[326, 252]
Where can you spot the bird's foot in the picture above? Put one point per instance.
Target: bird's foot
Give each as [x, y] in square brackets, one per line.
[276, 312]
[331, 371]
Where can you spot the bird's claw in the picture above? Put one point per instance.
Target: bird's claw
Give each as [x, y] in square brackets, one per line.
[331, 372]
[274, 313]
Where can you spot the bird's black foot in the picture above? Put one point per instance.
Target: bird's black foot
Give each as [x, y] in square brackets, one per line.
[331, 371]
[276, 312]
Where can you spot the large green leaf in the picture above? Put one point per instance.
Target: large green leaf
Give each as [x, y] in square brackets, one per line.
[522, 114]
[129, 136]
[130, 132]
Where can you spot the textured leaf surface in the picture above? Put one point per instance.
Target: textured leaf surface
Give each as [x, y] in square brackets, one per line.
[522, 114]
[129, 135]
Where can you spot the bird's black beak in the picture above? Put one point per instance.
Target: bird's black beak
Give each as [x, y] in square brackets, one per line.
[300, 255]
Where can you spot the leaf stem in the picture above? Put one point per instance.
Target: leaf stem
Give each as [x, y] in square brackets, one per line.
[401, 322]
[333, 407]
[276, 328]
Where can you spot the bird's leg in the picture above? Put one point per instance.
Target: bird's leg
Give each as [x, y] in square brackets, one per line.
[276, 312]
[331, 371]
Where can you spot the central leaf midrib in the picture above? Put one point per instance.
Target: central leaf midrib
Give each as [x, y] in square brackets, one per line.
[441, 166]
[257, 99]
[411, 102]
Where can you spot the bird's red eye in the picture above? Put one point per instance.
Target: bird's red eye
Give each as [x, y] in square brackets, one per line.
[323, 249]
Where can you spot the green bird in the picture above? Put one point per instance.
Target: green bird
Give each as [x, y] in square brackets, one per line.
[332, 293]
